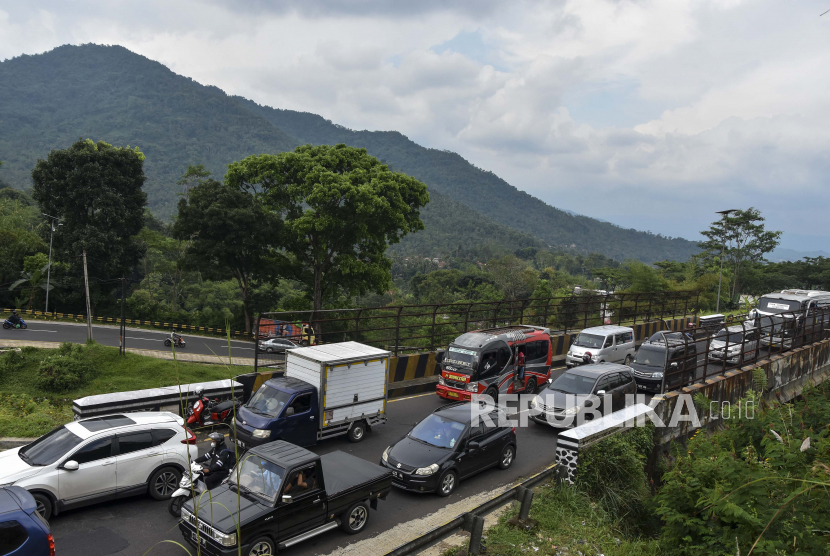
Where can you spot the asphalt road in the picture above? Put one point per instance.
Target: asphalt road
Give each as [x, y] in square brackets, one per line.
[40, 331]
[131, 527]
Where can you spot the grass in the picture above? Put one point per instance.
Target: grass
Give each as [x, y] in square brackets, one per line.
[569, 524]
[42, 410]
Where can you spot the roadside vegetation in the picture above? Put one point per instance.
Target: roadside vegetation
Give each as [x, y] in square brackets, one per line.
[37, 386]
[758, 485]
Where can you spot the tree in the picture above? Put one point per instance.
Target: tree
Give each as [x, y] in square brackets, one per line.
[95, 189]
[341, 208]
[512, 276]
[34, 275]
[230, 234]
[745, 239]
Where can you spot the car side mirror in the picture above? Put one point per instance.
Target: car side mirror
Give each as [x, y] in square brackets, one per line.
[600, 392]
[289, 411]
[473, 446]
[439, 357]
[673, 365]
[70, 465]
[550, 381]
[286, 498]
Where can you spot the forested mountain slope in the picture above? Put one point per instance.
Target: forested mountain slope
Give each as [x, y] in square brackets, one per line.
[450, 174]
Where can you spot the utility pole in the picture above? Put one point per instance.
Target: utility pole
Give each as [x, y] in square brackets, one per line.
[49, 268]
[88, 309]
[123, 326]
[725, 214]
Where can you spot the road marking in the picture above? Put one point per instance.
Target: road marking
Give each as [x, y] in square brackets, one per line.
[31, 330]
[411, 397]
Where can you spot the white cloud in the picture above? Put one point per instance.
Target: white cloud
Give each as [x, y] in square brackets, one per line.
[693, 105]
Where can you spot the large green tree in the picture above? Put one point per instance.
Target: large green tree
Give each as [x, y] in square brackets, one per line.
[230, 233]
[96, 191]
[341, 209]
[744, 241]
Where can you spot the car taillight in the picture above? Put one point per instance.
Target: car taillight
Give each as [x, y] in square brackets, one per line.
[51, 540]
[191, 438]
[514, 430]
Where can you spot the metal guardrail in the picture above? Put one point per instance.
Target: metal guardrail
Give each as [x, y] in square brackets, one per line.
[745, 336]
[413, 328]
[464, 521]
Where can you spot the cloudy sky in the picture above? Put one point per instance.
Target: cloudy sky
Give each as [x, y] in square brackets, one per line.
[649, 114]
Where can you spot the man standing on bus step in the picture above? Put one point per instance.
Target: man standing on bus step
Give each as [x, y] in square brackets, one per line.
[520, 370]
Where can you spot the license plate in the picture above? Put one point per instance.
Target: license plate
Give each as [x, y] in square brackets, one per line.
[200, 539]
[641, 386]
[240, 443]
[452, 394]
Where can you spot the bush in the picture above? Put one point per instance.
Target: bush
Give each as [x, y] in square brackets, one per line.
[65, 369]
[612, 472]
[22, 416]
[12, 361]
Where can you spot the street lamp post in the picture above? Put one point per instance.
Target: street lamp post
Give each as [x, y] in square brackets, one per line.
[49, 267]
[725, 214]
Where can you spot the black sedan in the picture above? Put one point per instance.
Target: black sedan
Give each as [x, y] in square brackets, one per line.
[447, 446]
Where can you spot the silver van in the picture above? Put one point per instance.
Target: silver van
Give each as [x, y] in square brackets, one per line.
[612, 344]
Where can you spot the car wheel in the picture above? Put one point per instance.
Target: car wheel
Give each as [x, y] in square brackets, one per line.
[627, 360]
[44, 505]
[269, 350]
[164, 482]
[447, 483]
[357, 432]
[507, 457]
[355, 518]
[493, 393]
[263, 546]
[531, 386]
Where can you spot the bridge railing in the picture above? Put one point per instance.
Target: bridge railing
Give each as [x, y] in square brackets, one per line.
[416, 328]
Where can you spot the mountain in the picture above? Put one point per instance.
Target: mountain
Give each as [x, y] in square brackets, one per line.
[108, 93]
[781, 254]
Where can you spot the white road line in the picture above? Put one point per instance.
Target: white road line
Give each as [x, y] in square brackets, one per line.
[411, 397]
[37, 330]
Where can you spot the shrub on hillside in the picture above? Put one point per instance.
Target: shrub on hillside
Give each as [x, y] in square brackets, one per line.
[63, 370]
[12, 361]
[22, 416]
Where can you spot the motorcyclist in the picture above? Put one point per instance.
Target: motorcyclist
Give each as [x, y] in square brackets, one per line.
[175, 338]
[15, 318]
[219, 461]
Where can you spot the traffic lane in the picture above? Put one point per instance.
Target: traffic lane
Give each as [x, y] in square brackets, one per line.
[39, 331]
[133, 526]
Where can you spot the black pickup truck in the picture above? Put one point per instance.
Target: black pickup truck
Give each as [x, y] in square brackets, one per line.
[282, 494]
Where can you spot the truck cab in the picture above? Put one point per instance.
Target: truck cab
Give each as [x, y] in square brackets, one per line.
[326, 391]
[279, 495]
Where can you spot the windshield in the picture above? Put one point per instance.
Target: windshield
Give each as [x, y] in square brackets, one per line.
[259, 476]
[50, 447]
[268, 401]
[438, 431]
[778, 306]
[589, 340]
[460, 356]
[573, 383]
[650, 357]
[734, 337]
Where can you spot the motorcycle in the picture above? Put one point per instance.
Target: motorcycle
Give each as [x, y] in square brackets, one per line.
[206, 412]
[8, 324]
[184, 492]
[179, 342]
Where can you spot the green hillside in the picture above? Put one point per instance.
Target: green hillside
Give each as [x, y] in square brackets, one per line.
[450, 174]
[108, 93]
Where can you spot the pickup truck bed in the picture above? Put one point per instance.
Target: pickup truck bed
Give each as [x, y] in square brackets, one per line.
[348, 477]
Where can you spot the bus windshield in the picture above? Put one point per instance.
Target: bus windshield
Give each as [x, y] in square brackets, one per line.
[460, 356]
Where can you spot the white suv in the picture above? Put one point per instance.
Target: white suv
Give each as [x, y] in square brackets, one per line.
[100, 459]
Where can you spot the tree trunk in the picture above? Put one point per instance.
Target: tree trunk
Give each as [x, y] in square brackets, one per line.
[242, 280]
[317, 303]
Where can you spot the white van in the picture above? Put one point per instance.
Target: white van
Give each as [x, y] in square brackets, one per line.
[612, 344]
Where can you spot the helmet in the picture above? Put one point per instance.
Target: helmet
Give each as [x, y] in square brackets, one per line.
[217, 437]
[200, 392]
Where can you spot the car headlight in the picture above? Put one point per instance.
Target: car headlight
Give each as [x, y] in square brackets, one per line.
[472, 387]
[261, 433]
[533, 403]
[571, 410]
[226, 540]
[657, 375]
[386, 454]
[427, 470]
[186, 514]
[570, 353]
[441, 381]
[233, 421]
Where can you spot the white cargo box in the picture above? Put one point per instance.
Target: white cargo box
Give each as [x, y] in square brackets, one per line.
[350, 377]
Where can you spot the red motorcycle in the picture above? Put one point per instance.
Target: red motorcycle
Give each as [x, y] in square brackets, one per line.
[205, 412]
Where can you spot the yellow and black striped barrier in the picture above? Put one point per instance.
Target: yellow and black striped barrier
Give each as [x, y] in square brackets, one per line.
[155, 324]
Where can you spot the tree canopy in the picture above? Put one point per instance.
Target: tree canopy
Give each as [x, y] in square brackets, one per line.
[95, 191]
[340, 209]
